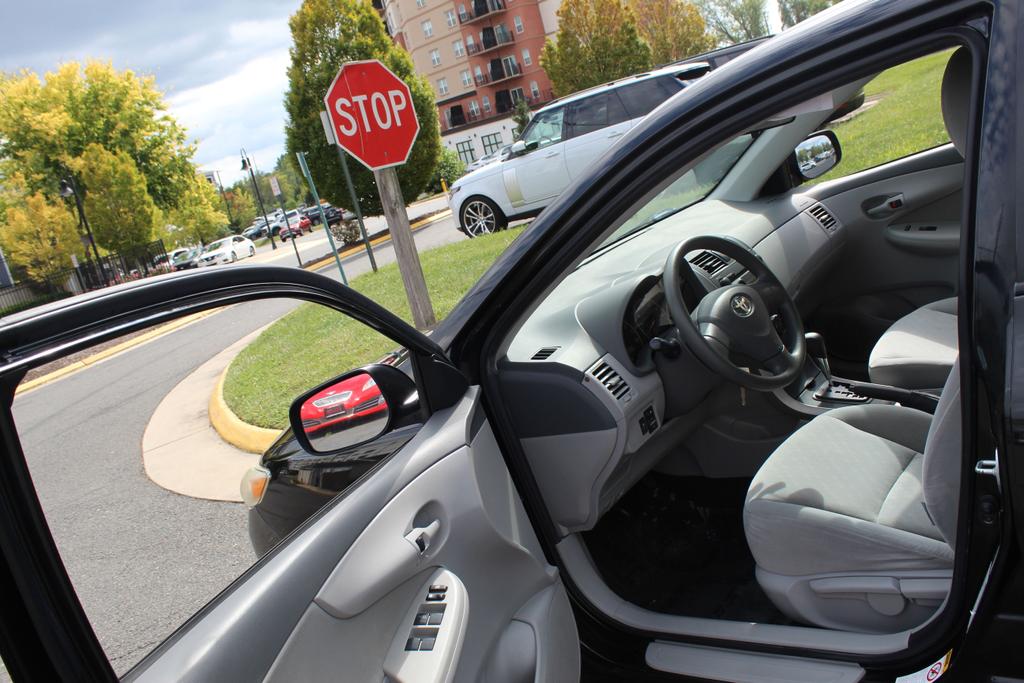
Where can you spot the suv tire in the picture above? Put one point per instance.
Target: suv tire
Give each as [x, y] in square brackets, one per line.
[479, 216]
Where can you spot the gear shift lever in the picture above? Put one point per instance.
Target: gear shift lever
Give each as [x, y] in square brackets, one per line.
[816, 350]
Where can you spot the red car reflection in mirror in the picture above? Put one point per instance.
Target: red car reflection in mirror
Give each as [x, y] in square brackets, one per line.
[351, 399]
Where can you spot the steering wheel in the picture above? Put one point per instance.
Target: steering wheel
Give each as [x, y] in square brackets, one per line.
[732, 330]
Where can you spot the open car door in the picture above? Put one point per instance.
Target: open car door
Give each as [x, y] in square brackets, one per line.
[427, 569]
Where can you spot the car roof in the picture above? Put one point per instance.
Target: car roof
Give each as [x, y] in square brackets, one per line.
[680, 71]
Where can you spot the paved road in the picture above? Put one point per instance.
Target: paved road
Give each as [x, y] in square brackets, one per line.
[143, 559]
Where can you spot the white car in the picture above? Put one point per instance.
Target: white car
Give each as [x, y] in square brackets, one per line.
[561, 141]
[227, 250]
[496, 155]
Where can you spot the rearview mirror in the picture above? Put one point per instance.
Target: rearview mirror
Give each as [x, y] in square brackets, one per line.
[354, 408]
[817, 155]
[518, 147]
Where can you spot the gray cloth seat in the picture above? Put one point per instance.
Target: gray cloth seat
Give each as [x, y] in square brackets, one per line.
[851, 521]
[919, 349]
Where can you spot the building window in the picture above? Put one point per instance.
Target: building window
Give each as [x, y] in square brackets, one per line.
[421, 3]
[479, 74]
[474, 108]
[527, 60]
[465, 150]
[450, 15]
[458, 49]
[511, 68]
[518, 21]
[442, 86]
[516, 93]
[463, 16]
[487, 104]
[534, 90]
[467, 80]
[491, 142]
[435, 57]
[428, 28]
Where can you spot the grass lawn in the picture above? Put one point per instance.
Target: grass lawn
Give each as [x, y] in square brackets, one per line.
[907, 118]
[312, 344]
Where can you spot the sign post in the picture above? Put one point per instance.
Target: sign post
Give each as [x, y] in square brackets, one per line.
[325, 119]
[275, 187]
[323, 217]
[372, 118]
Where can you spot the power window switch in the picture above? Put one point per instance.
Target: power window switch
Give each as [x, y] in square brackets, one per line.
[427, 644]
[414, 644]
[435, 597]
[438, 588]
[435, 619]
[422, 619]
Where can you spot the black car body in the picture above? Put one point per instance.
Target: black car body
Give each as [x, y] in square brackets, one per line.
[983, 617]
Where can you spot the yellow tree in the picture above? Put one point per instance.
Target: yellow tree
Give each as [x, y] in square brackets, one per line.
[674, 29]
[197, 214]
[597, 41]
[118, 205]
[40, 236]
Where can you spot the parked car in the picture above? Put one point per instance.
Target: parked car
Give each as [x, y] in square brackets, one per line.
[496, 155]
[278, 221]
[255, 231]
[560, 144]
[624, 455]
[332, 213]
[227, 250]
[340, 404]
[186, 259]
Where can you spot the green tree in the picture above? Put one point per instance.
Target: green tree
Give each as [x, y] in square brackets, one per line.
[45, 124]
[120, 210]
[795, 11]
[597, 41]
[735, 21]
[674, 29]
[243, 206]
[40, 236]
[326, 34]
[449, 167]
[520, 117]
[198, 214]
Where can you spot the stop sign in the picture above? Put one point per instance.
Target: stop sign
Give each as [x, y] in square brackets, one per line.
[372, 115]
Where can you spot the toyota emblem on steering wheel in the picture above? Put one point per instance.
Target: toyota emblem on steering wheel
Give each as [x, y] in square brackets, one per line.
[742, 305]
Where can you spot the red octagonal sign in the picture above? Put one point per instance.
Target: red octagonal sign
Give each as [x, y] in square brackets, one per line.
[372, 115]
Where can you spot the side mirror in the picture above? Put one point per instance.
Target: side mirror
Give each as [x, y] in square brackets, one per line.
[817, 155]
[354, 408]
[518, 148]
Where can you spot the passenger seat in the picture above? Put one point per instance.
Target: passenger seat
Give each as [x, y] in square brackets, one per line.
[918, 351]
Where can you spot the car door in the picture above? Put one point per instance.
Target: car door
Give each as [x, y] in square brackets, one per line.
[540, 172]
[592, 124]
[427, 569]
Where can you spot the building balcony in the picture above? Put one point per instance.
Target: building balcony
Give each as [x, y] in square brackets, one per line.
[481, 9]
[500, 39]
[498, 74]
[456, 117]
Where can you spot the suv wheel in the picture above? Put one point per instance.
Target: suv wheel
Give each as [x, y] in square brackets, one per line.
[480, 216]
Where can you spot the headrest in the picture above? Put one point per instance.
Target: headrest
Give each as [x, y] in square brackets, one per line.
[956, 97]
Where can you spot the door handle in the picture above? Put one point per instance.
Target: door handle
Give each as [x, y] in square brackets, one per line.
[421, 537]
[885, 207]
[550, 154]
[616, 135]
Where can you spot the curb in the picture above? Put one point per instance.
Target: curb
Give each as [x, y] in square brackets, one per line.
[255, 439]
[112, 351]
[231, 429]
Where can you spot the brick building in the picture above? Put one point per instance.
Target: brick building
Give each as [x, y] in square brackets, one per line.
[480, 57]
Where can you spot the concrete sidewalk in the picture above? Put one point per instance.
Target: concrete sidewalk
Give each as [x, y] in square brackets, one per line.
[181, 451]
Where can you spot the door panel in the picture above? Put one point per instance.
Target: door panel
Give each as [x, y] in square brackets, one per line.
[540, 175]
[891, 261]
[344, 592]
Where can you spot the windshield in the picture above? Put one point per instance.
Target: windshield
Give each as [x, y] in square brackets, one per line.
[214, 246]
[688, 189]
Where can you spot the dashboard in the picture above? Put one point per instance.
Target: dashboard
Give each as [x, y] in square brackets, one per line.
[611, 409]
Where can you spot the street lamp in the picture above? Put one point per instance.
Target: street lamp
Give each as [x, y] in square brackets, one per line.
[67, 189]
[247, 165]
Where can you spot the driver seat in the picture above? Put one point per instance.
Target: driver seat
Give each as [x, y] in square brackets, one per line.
[852, 520]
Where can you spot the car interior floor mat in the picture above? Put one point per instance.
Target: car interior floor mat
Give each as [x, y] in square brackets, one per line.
[676, 545]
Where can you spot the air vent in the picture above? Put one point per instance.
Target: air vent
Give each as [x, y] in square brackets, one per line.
[611, 380]
[824, 218]
[545, 353]
[709, 261]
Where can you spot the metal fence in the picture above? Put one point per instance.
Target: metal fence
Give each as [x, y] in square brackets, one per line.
[112, 269]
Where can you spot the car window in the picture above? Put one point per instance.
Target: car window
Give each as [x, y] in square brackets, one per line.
[594, 113]
[140, 479]
[545, 128]
[909, 95]
[642, 97]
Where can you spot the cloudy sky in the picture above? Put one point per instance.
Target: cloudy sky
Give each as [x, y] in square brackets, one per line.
[220, 63]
